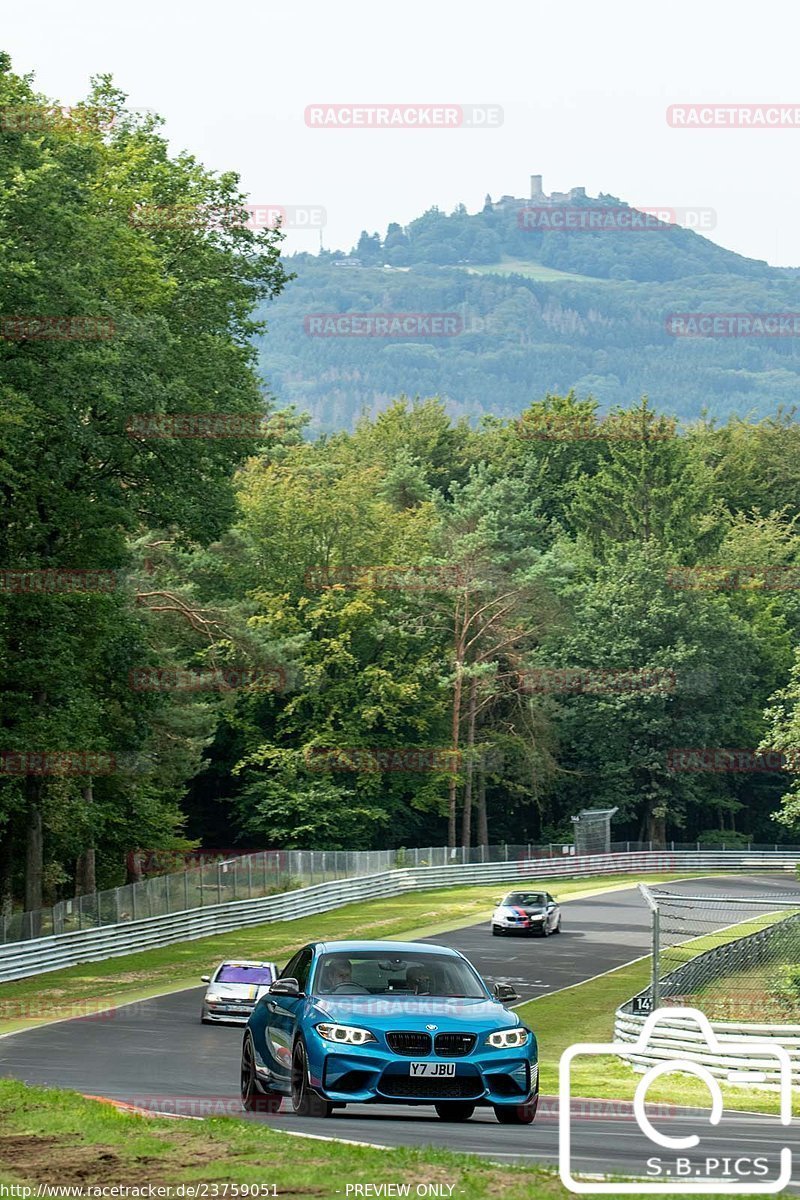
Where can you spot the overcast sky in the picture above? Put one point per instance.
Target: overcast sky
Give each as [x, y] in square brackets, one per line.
[584, 88]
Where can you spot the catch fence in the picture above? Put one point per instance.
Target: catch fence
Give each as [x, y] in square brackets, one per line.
[736, 958]
[49, 953]
[273, 872]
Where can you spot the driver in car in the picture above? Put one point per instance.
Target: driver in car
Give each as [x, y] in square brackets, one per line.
[338, 973]
[418, 979]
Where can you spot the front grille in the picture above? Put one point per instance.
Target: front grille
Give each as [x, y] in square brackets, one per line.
[455, 1088]
[409, 1043]
[454, 1045]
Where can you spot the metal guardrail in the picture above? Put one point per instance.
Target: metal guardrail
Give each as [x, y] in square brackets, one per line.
[238, 876]
[21, 959]
[111, 941]
[679, 1040]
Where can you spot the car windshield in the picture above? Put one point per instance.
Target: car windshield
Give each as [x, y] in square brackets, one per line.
[379, 973]
[528, 899]
[228, 973]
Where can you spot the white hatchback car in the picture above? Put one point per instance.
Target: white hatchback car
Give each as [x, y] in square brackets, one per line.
[234, 989]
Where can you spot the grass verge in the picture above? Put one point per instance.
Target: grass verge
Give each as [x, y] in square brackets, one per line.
[585, 1013]
[90, 987]
[61, 1138]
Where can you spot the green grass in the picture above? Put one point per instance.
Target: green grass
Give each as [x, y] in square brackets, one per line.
[59, 1137]
[51, 1136]
[531, 270]
[585, 1013]
[744, 995]
[677, 955]
[748, 996]
[87, 988]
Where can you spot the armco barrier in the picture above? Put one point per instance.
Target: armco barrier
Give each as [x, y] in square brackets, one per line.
[21, 959]
[210, 877]
[679, 1040]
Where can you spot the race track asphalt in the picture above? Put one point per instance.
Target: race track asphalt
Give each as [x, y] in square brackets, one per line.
[155, 1053]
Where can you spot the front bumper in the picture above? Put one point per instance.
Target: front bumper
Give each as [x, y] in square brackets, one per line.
[374, 1074]
[520, 924]
[227, 1014]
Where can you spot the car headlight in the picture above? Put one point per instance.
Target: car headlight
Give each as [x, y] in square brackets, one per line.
[506, 1039]
[214, 999]
[347, 1035]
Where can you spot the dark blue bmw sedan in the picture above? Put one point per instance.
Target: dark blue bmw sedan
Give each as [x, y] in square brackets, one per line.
[388, 1022]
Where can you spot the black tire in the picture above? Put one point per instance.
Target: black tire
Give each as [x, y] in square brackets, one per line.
[516, 1114]
[558, 926]
[545, 931]
[305, 1101]
[496, 931]
[254, 1098]
[454, 1110]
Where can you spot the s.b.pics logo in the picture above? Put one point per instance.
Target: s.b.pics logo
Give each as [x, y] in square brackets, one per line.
[696, 1150]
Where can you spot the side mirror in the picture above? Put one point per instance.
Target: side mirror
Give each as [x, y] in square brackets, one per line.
[504, 993]
[205, 979]
[285, 987]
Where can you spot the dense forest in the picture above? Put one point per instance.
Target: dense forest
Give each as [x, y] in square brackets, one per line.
[540, 311]
[414, 631]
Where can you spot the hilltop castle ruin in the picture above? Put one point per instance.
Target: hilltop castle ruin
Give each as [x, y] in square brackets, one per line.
[538, 196]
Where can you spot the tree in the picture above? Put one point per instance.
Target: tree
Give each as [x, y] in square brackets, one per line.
[668, 669]
[79, 477]
[648, 488]
[369, 248]
[488, 537]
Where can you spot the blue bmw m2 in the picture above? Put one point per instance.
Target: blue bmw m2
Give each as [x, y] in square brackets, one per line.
[388, 1023]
